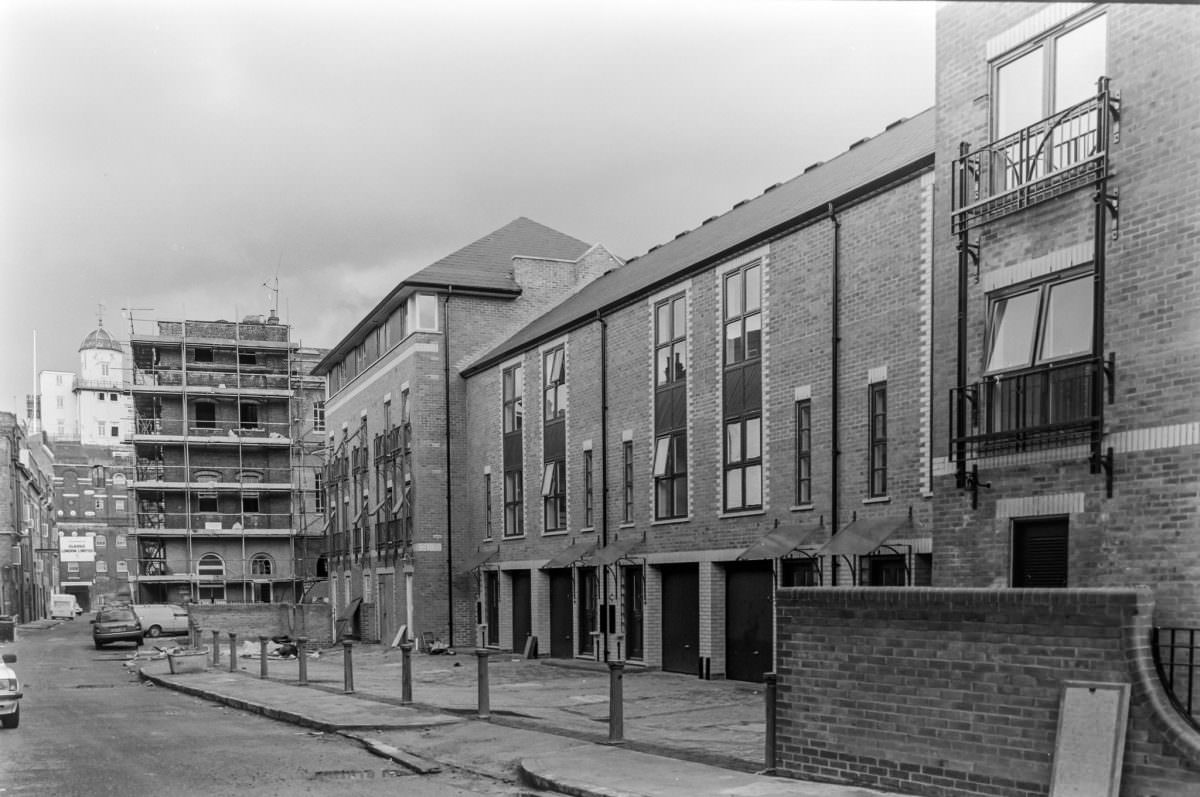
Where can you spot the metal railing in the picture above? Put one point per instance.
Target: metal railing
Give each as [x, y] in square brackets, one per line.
[234, 430]
[248, 478]
[1048, 405]
[215, 521]
[226, 380]
[1034, 164]
[1178, 662]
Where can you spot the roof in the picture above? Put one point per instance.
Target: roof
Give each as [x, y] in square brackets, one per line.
[484, 265]
[573, 554]
[861, 537]
[903, 149]
[782, 540]
[99, 338]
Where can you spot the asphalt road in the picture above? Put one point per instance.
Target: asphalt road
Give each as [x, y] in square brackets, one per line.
[89, 728]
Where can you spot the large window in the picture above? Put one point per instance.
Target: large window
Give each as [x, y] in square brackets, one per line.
[743, 388]
[627, 471]
[877, 452]
[1041, 80]
[670, 408]
[514, 399]
[513, 412]
[803, 452]
[318, 416]
[514, 525]
[554, 385]
[1041, 323]
[554, 448]
[554, 495]
[589, 496]
[487, 506]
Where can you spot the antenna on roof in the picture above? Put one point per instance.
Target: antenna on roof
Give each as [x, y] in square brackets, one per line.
[273, 286]
[129, 311]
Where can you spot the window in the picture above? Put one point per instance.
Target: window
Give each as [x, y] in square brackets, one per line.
[670, 408]
[98, 475]
[73, 568]
[589, 497]
[206, 415]
[112, 396]
[877, 454]
[554, 388]
[261, 565]
[800, 572]
[1040, 552]
[627, 470]
[100, 541]
[318, 416]
[319, 490]
[122, 567]
[513, 497]
[248, 415]
[206, 502]
[202, 355]
[487, 506]
[1040, 324]
[514, 395]
[1040, 81]
[803, 452]
[211, 565]
[101, 566]
[101, 396]
[100, 428]
[58, 402]
[887, 571]
[554, 495]
[99, 505]
[742, 388]
[422, 312]
[118, 504]
[115, 431]
[103, 372]
[250, 503]
[247, 357]
[120, 540]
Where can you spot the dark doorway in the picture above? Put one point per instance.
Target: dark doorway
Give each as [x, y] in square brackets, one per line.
[633, 584]
[588, 594]
[681, 619]
[492, 618]
[887, 571]
[749, 635]
[1040, 552]
[562, 637]
[522, 617]
[799, 573]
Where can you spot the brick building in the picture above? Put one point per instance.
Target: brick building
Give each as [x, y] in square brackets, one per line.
[1068, 338]
[27, 528]
[225, 466]
[659, 451]
[397, 464]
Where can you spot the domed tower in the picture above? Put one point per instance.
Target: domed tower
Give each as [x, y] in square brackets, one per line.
[101, 393]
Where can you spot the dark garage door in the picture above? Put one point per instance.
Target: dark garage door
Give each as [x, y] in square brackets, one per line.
[681, 619]
[522, 618]
[748, 621]
[562, 640]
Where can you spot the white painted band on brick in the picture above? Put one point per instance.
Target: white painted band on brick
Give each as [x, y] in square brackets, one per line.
[427, 547]
[1039, 505]
[877, 374]
[1033, 26]
[627, 436]
[804, 393]
[1058, 260]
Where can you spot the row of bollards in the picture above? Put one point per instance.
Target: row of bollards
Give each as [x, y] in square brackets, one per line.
[616, 686]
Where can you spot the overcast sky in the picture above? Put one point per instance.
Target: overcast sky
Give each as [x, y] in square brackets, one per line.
[176, 156]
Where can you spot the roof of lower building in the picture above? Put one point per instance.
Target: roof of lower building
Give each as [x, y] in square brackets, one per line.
[902, 149]
[99, 338]
[486, 265]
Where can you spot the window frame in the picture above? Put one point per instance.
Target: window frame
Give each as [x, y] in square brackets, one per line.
[514, 499]
[669, 466]
[319, 415]
[803, 418]
[742, 468]
[554, 496]
[513, 387]
[627, 485]
[487, 506]
[589, 497]
[1043, 287]
[877, 442]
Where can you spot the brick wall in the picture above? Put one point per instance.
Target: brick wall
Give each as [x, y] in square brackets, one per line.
[947, 692]
[249, 620]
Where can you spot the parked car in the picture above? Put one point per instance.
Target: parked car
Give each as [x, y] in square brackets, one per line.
[161, 618]
[64, 606]
[10, 692]
[116, 624]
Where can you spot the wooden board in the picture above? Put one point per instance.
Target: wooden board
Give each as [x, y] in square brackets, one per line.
[1090, 746]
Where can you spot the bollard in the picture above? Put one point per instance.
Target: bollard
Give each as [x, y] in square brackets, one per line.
[232, 652]
[616, 702]
[347, 667]
[406, 671]
[216, 650]
[262, 656]
[485, 708]
[303, 659]
[770, 696]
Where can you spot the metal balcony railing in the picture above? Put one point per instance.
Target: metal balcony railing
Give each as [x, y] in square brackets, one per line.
[1046, 406]
[1035, 164]
[248, 478]
[1177, 658]
[276, 430]
[215, 521]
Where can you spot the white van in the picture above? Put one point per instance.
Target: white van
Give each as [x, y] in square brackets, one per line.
[161, 618]
[64, 606]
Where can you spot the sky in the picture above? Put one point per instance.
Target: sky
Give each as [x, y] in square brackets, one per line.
[178, 158]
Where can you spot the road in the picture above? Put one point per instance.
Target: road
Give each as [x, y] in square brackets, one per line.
[90, 728]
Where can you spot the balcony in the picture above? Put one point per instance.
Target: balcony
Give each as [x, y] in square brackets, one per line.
[158, 475]
[229, 524]
[1047, 406]
[174, 380]
[215, 431]
[1038, 163]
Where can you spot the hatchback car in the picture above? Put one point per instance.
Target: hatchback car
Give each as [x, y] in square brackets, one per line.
[116, 625]
[10, 693]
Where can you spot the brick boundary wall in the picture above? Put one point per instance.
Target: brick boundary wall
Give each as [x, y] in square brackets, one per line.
[249, 620]
[956, 691]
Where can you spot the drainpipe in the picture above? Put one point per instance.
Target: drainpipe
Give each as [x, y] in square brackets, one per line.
[449, 501]
[604, 466]
[835, 368]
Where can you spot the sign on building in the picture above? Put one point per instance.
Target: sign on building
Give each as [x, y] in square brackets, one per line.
[75, 548]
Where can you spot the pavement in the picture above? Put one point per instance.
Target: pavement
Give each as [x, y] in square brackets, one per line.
[548, 726]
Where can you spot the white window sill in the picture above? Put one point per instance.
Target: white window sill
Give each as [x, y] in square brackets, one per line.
[671, 521]
[803, 508]
[879, 499]
[555, 533]
[742, 513]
